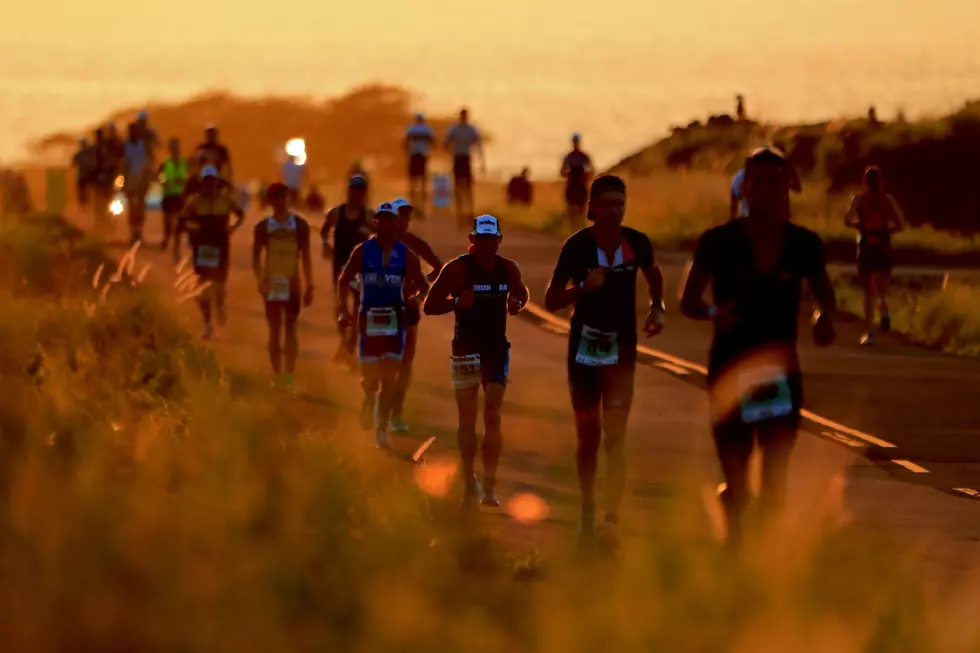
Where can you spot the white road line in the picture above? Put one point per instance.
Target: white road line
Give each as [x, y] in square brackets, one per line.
[676, 369]
[912, 467]
[968, 491]
[843, 439]
[557, 322]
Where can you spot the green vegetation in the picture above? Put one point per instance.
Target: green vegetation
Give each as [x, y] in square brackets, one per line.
[154, 500]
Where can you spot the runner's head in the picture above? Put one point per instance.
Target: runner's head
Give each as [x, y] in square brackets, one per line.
[134, 131]
[485, 237]
[386, 222]
[405, 211]
[464, 116]
[525, 173]
[143, 117]
[419, 119]
[607, 201]
[357, 189]
[767, 183]
[211, 134]
[576, 140]
[99, 135]
[174, 147]
[209, 179]
[874, 182]
[277, 195]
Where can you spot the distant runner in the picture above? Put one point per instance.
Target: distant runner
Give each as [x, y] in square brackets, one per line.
[418, 144]
[284, 238]
[876, 216]
[481, 288]
[412, 312]
[84, 164]
[351, 224]
[207, 219]
[461, 140]
[577, 172]
[147, 133]
[739, 204]
[103, 176]
[173, 173]
[292, 177]
[216, 153]
[390, 277]
[137, 173]
[596, 272]
[755, 267]
[520, 191]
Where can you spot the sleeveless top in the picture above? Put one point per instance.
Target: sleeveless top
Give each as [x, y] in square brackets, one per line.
[382, 286]
[347, 234]
[483, 327]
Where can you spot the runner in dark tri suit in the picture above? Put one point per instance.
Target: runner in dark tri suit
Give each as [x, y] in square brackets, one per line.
[755, 267]
[285, 240]
[390, 279]
[596, 272]
[482, 288]
[577, 171]
[412, 313]
[351, 224]
[876, 216]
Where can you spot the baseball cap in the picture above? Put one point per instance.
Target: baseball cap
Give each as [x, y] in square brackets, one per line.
[576, 136]
[486, 225]
[401, 203]
[143, 115]
[387, 208]
[209, 171]
[357, 181]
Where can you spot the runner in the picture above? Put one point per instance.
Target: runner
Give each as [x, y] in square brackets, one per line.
[217, 154]
[173, 173]
[418, 143]
[755, 266]
[596, 272]
[461, 140]
[147, 133]
[351, 225]
[390, 278]
[412, 314]
[206, 218]
[137, 173]
[876, 216]
[577, 172]
[103, 176]
[292, 176]
[285, 239]
[481, 288]
[84, 164]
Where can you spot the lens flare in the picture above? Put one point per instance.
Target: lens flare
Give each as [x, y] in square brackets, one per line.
[116, 207]
[296, 148]
[528, 508]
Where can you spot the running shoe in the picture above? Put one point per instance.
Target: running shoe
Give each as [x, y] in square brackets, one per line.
[471, 493]
[398, 424]
[381, 438]
[489, 498]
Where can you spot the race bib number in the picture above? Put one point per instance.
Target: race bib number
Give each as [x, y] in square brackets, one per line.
[382, 322]
[466, 371]
[597, 348]
[208, 257]
[765, 394]
[279, 290]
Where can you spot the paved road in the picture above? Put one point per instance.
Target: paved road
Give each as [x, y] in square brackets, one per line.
[672, 466]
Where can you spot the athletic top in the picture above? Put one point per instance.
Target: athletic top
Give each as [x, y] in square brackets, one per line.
[609, 311]
[767, 306]
[419, 138]
[136, 156]
[874, 218]
[217, 154]
[579, 166]
[207, 220]
[463, 138]
[483, 327]
[347, 234]
[174, 176]
[283, 242]
[292, 174]
[737, 182]
[383, 286]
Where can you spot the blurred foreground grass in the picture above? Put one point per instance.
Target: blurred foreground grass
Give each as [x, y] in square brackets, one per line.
[153, 500]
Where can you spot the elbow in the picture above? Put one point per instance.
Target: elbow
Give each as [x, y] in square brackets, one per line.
[427, 307]
[551, 303]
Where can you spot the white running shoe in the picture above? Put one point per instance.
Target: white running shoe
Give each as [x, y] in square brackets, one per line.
[398, 424]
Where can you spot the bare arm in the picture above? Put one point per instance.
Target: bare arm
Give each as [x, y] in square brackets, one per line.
[516, 287]
[559, 295]
[304, 253]
[442, 295]
[238, 212]
[693, 305]
[325, 230]
[851, 217]
[258, 244]
[896, 217]
[565, 168]
[655, 281]
[343, 284]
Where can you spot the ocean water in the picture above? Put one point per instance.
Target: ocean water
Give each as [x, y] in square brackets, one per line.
[621, 73]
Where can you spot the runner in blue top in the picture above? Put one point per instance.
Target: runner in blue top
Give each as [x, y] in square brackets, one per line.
[391, 280]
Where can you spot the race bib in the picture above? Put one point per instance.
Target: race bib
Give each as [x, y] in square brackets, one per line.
[765, 394]
[382, 322]
[279, 289]
[466, 371]
[208, 257]
[597, 348]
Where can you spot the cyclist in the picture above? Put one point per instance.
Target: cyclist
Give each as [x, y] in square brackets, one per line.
[876, 216]
[596, 272]
[390, 278]
[481, 288]
[755, 266]
[284, 238]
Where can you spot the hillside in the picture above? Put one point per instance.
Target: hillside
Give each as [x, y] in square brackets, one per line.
[932, 167]
[367, 123]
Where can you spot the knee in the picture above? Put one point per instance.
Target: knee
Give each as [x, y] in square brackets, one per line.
[491, 420]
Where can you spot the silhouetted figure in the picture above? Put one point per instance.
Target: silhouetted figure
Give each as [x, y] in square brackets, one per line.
[315, 202]
[520, 192]
[873, 116]
[739, 108]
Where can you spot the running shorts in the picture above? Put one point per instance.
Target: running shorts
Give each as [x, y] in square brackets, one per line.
[462, 169]
[417, 164]
[576, 195]
[873, 258]
[732, 431]
[276, 310]
[373, 349]
[173, 204]
[494, 365]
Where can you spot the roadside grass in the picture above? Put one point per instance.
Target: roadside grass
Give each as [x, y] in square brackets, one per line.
[153, 500]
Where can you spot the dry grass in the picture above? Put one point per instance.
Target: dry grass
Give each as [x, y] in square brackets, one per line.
[154, 500]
